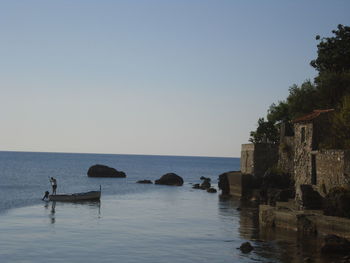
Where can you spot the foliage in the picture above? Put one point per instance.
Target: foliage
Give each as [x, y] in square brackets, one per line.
[330, 89]
[337, 202]
[333, 53]
[266, 132]
[278, 112]
[339, 132]
[301, 100]
[333, 65]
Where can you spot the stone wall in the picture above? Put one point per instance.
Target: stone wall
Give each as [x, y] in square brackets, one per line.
[332, 169]
[286, 155]
[257, 158]
[303, 221]
[247, 158]
[302, 155]
[239, 184]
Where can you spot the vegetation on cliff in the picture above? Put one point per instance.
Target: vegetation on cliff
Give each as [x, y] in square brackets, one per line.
[330, 89]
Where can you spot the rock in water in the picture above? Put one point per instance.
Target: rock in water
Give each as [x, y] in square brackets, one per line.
[170, 179]
[246, 247]
[144, 182]
[206, 183]
[211, 190]
[99, 170]
[335, 245]
[196, 186]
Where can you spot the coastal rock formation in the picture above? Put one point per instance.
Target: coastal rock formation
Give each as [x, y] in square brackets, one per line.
[99, 170]
[144, 182]
[246, 247]
[206, 183]
[337, 202]
[196, 186]
[211, 190]
[272, 195]
[223, 184]
[170, 179]
[309, 198]
[335, 245]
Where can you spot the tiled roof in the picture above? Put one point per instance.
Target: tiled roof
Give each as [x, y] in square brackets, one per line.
[311, 116]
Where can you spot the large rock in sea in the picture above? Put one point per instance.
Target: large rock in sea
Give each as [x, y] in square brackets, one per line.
[170, 179]
[99, 170]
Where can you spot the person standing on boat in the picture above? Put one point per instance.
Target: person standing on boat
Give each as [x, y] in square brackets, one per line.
[53, 182]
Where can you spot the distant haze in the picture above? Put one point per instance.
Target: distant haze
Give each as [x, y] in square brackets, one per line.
[151, 77]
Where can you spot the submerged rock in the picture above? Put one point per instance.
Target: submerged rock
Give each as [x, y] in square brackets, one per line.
[144, 182]
[246, 247]
[211, 190]
[335, 245]
[99, 170]
[170, 179]
[196, 186]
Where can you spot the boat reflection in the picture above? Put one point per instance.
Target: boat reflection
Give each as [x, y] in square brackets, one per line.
[90, 205]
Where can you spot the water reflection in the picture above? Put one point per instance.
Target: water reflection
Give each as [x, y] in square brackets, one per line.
[270, 245]
[76, 205]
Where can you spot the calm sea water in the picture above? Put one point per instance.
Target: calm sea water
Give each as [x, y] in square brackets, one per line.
[133, 222]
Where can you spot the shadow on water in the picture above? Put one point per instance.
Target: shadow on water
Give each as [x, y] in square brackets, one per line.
[272, 245]
[51, 205]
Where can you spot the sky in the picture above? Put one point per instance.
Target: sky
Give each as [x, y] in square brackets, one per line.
[184, 77]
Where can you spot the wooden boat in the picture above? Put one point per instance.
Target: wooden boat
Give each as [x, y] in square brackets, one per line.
[78, 197]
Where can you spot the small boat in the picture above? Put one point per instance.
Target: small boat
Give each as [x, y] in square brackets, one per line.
[78, 197]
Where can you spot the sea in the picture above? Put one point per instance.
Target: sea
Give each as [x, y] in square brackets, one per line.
[132, 222]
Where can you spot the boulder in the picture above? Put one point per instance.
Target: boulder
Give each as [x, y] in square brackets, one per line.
[196, 186]
[246, 247]
[211, 190]
[144, 182]
[276, 179]
[335, 245]
[337, 202]
[310, 199]
[206, 183]
[170, 179]
[223, 184]
[306, 225]
[99, 170]
[272, 195]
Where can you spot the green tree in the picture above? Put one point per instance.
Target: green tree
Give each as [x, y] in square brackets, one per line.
[301, 100]
[333, 65]
[278, 113]
[333, 53]
[265, 132]
[327, 91]
[339, 132]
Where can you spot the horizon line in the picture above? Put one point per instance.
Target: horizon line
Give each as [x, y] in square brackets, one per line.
[139, 154]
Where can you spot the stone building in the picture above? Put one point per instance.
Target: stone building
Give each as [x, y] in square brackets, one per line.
[286, 149]
[257, 158]
[323, 169]
[298, 154]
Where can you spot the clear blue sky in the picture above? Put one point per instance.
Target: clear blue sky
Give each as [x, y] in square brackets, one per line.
[151, 77]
